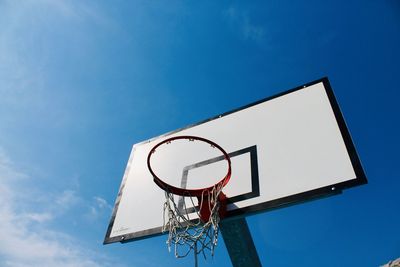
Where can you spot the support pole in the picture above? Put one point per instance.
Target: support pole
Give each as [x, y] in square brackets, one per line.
[238, 241]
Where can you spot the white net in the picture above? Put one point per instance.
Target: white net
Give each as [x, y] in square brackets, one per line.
[187, 232]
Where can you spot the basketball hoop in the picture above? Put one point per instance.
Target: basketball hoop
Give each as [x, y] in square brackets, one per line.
[192, 215]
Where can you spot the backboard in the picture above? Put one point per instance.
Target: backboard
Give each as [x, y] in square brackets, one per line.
[284, 149]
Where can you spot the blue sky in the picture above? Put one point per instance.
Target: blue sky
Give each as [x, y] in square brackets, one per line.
[81, 81]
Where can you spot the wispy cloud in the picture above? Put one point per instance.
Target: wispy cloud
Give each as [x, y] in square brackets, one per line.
[67, 199]
[241, 21]
[32, 218]
[7, 170]
[102, 203]
[26, 239]
[38, 217]
[99, 207]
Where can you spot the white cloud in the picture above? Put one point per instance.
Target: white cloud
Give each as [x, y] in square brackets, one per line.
[38, 217]
[26, 239]
[98, 208]
[240, 20]
[102, 203]
[67, 199]
[6, 169]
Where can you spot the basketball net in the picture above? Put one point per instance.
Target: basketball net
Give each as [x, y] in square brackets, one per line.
[187, 234]
[191, 216]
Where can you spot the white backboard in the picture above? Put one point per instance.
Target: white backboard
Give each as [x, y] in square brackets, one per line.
[284, 149]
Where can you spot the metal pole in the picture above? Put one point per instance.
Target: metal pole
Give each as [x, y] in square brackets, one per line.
[196, 262]
[238, 241]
